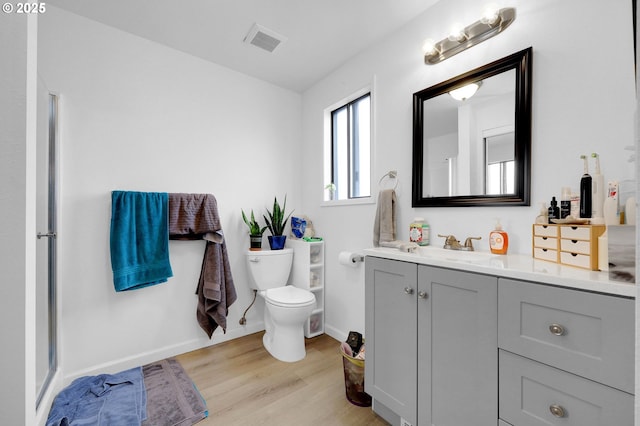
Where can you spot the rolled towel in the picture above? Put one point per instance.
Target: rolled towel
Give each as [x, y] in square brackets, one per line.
[346, 349]
[408, 247]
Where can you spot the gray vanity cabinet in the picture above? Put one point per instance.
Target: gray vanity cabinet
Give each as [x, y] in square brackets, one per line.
[431, 338]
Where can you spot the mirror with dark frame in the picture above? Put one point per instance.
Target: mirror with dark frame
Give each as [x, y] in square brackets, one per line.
[475, 151]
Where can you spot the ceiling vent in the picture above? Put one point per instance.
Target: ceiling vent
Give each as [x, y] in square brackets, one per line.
[264, 38]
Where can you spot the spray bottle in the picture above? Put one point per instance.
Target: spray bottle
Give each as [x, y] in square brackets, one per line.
[585, 191]
[598, 191]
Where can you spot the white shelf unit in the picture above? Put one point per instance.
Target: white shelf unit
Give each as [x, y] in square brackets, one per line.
[307, 272]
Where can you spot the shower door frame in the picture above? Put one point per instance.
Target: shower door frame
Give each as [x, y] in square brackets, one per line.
[51, 237]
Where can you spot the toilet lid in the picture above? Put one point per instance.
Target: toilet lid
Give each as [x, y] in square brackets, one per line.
[289, 296]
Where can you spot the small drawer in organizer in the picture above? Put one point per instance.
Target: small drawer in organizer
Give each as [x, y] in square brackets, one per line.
[319, 300]
[316, 323]
[545, 230]
[315, 254]
[315, 277]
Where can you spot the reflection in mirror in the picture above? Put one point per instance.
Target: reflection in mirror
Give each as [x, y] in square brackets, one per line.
[499, 165]
[457, 131]
[475, 150]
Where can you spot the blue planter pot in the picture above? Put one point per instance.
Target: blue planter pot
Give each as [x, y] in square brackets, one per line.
[276, 242]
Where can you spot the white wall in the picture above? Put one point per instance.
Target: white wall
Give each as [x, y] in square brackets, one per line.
[139, 116]
[583, 102]
[18, 42]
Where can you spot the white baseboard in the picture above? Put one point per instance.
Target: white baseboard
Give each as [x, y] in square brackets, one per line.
[339, 335]
[140, 359]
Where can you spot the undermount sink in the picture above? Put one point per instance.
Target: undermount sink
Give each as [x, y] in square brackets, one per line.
[456, 255]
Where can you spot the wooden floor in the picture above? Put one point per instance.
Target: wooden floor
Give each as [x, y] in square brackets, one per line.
[244, 385]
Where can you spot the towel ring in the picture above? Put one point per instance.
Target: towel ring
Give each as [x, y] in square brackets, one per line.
[391, 175]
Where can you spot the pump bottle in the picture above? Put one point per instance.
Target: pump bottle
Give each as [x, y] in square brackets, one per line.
[498, 240]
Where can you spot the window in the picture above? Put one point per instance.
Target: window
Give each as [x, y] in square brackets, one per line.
[500, 178]
[350, 172]
[500, 167]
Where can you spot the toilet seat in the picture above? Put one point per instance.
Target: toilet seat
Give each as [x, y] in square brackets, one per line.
[289, 296]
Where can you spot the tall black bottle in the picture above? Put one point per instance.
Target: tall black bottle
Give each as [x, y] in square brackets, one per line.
[585, 191]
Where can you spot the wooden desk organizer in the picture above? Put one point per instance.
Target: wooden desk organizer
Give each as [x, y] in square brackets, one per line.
[573, 245]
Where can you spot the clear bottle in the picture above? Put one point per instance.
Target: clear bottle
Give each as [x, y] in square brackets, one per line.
[543, 217]
[415, 230]
[498, 240]
[425, 234]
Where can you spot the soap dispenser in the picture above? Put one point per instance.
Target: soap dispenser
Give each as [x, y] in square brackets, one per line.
[498, 240]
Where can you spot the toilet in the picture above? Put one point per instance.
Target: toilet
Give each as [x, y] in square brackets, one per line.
[286, 307]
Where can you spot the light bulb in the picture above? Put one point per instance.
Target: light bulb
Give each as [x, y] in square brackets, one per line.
[429, 47]
[490, 14]
[457, 33]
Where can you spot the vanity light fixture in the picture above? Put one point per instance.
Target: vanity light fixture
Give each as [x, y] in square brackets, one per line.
[465, 92]
[493, 22]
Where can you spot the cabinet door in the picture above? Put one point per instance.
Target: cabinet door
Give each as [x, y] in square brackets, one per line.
[457, 348]
[390, 333]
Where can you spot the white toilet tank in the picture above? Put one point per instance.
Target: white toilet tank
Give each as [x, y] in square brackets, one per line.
[269, 268]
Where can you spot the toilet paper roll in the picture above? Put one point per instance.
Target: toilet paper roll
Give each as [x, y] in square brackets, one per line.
[348, 258]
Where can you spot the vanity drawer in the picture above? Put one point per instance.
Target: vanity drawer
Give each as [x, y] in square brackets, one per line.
[575, 246]
[545, 242]
[575, 259]
[545, 254]
[575, 232]
[588, 334]
[545, 230]
[533, 394]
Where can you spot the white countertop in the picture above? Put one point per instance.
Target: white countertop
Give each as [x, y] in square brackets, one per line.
[511, 266]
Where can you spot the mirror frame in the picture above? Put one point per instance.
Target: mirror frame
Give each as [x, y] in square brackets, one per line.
[521, 62]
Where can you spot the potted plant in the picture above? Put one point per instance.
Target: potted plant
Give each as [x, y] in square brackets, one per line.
[331, 189]
[255, 232]
[276, 223]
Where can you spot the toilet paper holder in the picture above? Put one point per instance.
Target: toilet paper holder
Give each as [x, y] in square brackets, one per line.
[350, 259]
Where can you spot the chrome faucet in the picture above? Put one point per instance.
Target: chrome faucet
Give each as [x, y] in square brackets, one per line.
[451, 242]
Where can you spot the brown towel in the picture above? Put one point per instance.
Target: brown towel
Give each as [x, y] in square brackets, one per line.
[384, 226]
[194, 217]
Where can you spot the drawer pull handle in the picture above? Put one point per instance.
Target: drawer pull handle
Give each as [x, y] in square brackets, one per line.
[408, 290]
[557, 410]
[422, 294]
[556, 329]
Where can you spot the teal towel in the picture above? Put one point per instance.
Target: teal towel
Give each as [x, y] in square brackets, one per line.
[139, 239]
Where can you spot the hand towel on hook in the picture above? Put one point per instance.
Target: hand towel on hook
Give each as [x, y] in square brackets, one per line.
[194, 217]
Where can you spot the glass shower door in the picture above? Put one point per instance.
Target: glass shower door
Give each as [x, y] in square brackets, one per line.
[46, 353]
